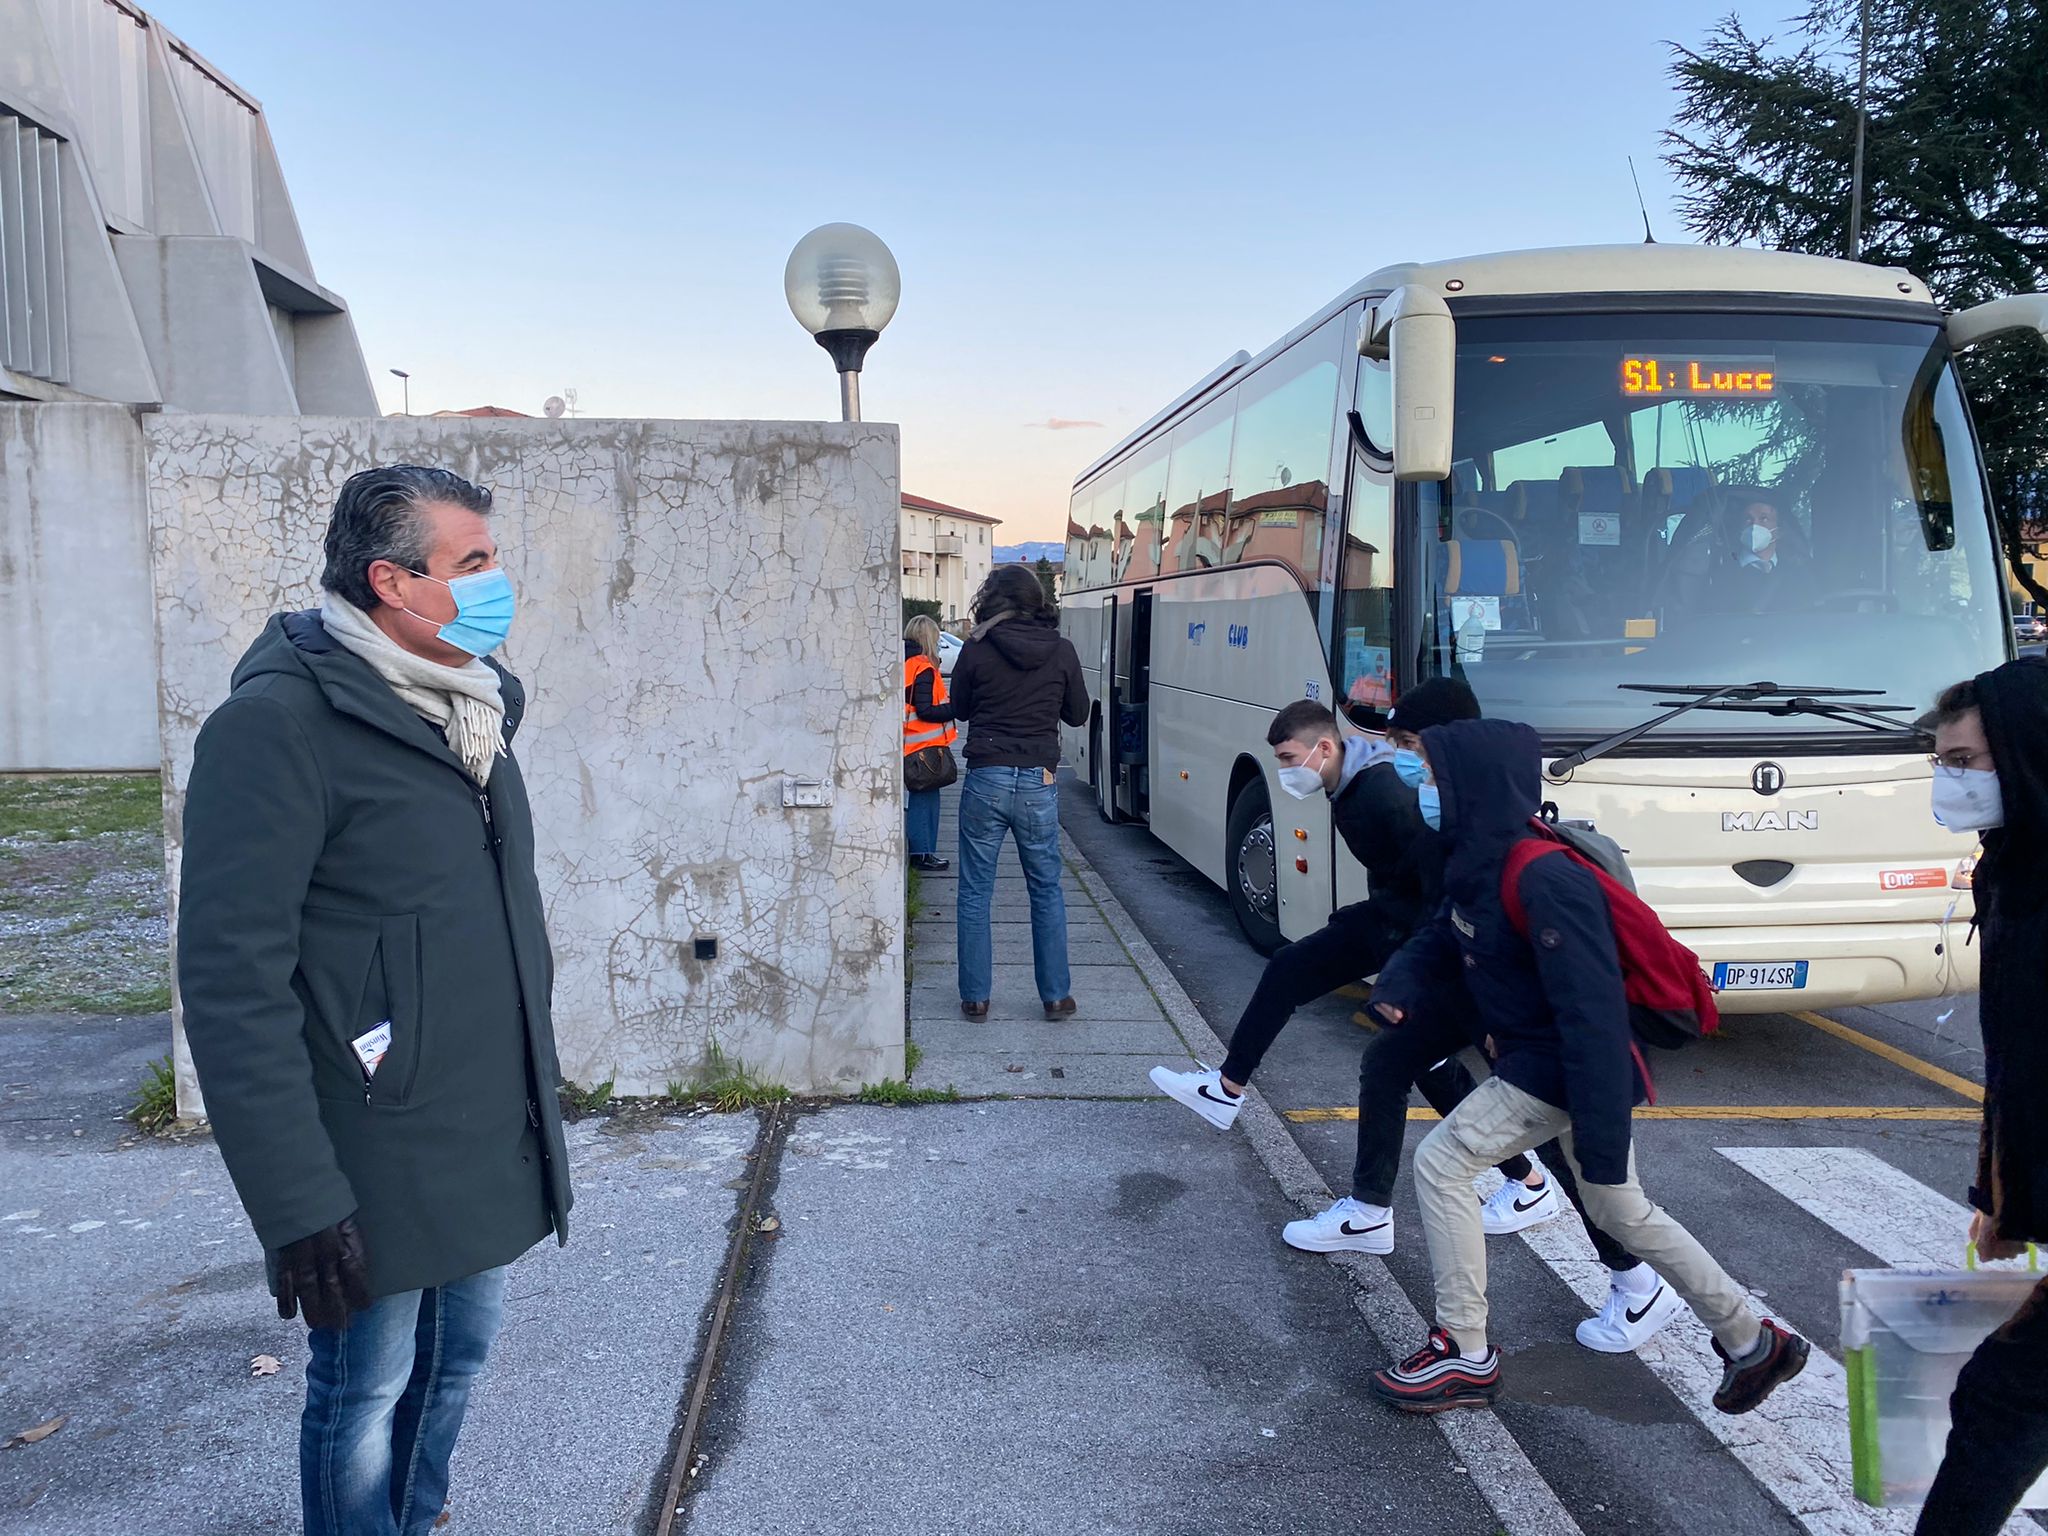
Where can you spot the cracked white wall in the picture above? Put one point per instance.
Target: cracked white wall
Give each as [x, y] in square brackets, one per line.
[706, 609]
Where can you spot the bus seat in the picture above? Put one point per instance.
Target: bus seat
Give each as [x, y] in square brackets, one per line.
[1596, 488]
[1479, 568]
[1674, 490]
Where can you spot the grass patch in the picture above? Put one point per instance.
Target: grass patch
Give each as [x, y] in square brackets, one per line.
[578, 1101]
[82, 926]
[913, 899]
[156, 1099]
[890, 1091]
[74, 808]
[913, 1053]
[728, 1084]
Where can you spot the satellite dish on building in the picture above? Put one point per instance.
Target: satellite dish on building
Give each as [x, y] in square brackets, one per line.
[554, 407]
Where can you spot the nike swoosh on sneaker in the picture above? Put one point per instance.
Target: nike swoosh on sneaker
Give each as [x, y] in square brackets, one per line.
[1634, 1316]
[1531, 1205]
[1350, 1231]
[1217, 1098]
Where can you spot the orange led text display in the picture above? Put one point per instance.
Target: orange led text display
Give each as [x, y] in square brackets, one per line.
[1698, 377]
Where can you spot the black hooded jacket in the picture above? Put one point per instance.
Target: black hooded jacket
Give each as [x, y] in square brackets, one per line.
[1015, 682]
[1553, 1003]
[2011, 889]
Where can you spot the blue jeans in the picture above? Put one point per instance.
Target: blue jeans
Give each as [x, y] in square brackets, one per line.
[384, 1402]
[1017, 801]
[921, 820]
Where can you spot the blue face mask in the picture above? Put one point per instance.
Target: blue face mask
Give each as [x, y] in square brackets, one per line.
[484, 609]
[1431, 803]
[1410, 767]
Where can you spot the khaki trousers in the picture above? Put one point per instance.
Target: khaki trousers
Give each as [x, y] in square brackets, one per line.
[1498, 1120]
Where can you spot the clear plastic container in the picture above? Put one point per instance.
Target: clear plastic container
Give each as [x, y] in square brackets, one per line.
[1905, 1336]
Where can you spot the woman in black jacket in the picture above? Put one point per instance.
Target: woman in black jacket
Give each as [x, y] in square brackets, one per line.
[1015, 680]
[1991, 776]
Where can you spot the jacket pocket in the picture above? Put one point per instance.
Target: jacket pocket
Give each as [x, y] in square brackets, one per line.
[397, 976]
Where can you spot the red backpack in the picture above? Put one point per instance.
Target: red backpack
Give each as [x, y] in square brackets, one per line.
[1670, 1001]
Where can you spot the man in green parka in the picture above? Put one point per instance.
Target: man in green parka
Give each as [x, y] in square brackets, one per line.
[365, 975]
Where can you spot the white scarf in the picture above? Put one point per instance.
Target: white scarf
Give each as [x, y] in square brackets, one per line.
[464, 701]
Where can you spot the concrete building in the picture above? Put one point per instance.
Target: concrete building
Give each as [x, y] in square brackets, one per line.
[947, 554]
[149, 258]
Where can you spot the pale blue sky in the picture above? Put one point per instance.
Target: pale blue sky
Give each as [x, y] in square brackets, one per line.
[1092, 204]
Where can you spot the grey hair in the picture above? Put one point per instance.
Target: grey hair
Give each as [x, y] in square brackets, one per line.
[377, 517]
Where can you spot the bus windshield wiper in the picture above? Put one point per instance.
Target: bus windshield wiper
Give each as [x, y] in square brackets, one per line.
[1782, 700]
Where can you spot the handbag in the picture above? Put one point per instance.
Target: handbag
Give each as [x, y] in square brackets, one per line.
[929, 768]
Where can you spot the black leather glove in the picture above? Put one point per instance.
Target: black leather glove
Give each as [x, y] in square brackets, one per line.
[325, 1275]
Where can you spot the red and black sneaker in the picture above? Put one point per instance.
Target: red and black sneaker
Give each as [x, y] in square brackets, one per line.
[1437, 1377]
[1745, 1385]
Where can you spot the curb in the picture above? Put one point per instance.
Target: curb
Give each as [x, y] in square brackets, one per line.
[1486, 1451]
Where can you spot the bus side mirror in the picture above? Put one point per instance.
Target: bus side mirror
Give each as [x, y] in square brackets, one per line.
[1413, 329]
[2020, 312]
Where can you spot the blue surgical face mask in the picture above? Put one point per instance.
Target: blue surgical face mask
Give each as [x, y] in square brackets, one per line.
[1410, 767]
[1430, 801]
[484, 608]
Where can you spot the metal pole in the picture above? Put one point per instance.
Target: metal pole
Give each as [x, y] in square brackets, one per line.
[849, 396]
[1862, 116]
[408, 395]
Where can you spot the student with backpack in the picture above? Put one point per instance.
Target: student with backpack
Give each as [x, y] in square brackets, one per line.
[1562, 966]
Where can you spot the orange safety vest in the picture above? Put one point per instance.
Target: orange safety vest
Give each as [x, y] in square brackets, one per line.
[919, 734]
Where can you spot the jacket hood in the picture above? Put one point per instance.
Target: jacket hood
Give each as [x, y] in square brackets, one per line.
[1490, 774]
[299, 645]
[1026, 644]
[2014, 701]
[1360, 753]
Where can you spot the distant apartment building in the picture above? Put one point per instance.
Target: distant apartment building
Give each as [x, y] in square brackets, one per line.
[149, 254]
[947, 554]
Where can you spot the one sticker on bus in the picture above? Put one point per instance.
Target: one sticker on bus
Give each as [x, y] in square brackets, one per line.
[1913, 879]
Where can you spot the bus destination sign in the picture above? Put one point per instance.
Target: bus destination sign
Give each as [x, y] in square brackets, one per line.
[1700, 378]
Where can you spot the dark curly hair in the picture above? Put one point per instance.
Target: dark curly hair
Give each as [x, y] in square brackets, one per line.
[377, 517]
[1009, 589]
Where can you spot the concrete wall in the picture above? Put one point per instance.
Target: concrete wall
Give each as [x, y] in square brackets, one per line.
[77, 636]
[707, 611]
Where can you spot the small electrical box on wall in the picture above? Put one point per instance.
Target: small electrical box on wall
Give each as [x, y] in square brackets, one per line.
[707, 949]
[806, 794]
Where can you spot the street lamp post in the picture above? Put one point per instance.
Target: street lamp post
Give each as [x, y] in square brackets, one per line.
[842, 285]
[402, 374]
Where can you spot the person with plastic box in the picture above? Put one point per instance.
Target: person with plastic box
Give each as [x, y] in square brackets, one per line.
[1991, 776]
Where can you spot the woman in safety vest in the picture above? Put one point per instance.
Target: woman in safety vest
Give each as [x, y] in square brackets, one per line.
[922, 685]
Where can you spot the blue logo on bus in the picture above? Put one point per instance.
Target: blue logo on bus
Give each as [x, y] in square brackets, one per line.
[1195, 632]
[1241, 637]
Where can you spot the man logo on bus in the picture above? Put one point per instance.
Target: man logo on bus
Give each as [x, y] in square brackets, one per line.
[1195, 633]
[1770, 821]
[1767, 778]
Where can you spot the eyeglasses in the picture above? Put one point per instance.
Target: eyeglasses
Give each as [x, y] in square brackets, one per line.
[1959, 760]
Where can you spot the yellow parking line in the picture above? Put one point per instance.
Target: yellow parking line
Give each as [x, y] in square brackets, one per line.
[1712, 1112]
[1895, 1056]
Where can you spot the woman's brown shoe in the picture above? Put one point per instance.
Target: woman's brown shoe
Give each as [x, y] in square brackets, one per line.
[974, 1010]
[1063, 1009]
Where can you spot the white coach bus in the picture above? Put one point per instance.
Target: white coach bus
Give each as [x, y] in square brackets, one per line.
[1711, 520]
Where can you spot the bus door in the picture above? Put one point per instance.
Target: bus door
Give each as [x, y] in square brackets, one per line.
[1134, 747]
[1103, 759]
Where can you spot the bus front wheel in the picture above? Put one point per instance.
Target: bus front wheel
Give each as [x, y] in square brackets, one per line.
[1252, 868]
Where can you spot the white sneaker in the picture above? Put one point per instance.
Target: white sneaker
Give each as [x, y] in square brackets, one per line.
[1203, 1092]
[1631, 1315]
[1515, 1206]
[1349, 1226]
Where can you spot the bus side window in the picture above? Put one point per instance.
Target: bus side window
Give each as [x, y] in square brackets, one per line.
[1366, 603]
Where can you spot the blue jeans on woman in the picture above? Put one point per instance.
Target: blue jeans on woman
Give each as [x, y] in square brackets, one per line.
[1017, 801]
[385, 1397]
[921, 820]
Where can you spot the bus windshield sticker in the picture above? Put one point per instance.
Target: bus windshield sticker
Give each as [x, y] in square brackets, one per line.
[1595, 528]
[1700, 378]
[1485, 609]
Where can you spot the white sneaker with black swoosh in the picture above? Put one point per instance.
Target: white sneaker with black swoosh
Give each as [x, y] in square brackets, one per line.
[1203, 1092]
[1515, 1206]
[1638, 1304]
[1349, 1226]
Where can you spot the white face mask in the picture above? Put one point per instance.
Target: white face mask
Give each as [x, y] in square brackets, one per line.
[1760, 538]
[1968, 799]
[1301, 780]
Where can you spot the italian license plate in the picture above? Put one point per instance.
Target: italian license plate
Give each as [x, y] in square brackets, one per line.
[1759, 975]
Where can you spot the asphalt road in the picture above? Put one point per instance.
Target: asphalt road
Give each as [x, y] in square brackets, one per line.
[1620, 1448]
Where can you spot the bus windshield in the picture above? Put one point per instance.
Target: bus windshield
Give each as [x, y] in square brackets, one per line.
[1702, 499]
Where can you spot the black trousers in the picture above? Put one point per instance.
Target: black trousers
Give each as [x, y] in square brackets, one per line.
[1998, 1428]
[1355, 942]
[1422, 1050]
